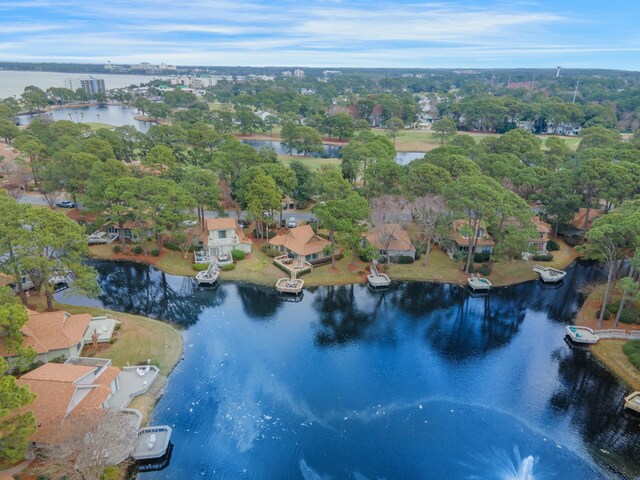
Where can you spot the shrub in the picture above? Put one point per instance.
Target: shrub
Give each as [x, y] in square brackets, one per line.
[111, 473]
[613, 307]
[200, 267]
[137, 249]
[339, 257]
[60, 359]
[632, 350]
[238, 255]
[171, 246]
[629, 315]
[405, 259]
[365, 257]
[112, 341]
[553, 246]
[270, 251]
[116, 249]
[228, 267]
[481, 257]
[155, 252]
[417, 254]
[606, 314]
[484, 270]
[543, 258]
[572, 241]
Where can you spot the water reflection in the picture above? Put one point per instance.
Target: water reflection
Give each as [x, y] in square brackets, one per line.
[422, 380]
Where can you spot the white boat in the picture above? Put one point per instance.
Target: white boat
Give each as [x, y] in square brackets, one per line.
[377, 279]
[632, 402]
[476, 282]
[286, 285]
[548, 274]
[208, 276]
[583, 335]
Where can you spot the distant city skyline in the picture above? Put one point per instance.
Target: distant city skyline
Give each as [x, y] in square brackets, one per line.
[330, 33]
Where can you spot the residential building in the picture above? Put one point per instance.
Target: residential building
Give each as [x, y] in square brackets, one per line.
[286, 73]
[579, 224]
[222, 235]
[392, 241]
[462, 237]
[51, 335]
[67, 393]
[539, 244]
[302, 244]
[93, 86]
[133, 230]
[298, 73]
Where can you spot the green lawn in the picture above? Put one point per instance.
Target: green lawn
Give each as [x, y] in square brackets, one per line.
[97, 126]
[138, 339]
[311, 162]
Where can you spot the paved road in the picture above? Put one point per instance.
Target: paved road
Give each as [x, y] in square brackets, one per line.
[36, 199]
[301, 217]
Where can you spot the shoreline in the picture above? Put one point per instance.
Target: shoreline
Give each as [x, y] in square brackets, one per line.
[608, 352]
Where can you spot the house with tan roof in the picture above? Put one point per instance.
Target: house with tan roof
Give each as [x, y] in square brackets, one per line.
[539, 244]
[222, 235]
[463, 236]
[66, 393]
[392, 241]
[302, 244]
[51, 335]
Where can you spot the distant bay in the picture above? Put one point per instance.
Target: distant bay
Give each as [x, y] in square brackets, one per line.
[13, 82]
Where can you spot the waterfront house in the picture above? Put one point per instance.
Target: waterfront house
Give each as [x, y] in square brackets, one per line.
[392, 241]
[462, 236]
[302, 244]
[222, 235]
[51, 335]
[132, 230]
[59, 334]
[66, 393]
[539, 244]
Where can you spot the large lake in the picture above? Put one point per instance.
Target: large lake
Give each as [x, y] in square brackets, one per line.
[421, 381]
[14, 82]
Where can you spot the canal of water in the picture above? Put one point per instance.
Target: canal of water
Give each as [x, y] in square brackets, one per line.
[420, 381]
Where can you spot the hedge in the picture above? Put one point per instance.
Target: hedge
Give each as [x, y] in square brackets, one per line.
[200, 267]
[629, 315]
[155, 252]
[116, 249]
[238, 255]
[228, 267]
[405, 259]
[606, 314]
[137, 249]
[481, 257]
[543, 258]
[484, 270]
[553, 246]
[632, 350]
[613, 307]
[269, 250]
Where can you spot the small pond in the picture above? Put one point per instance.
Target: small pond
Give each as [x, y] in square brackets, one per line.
[420, 381]
[117, 115]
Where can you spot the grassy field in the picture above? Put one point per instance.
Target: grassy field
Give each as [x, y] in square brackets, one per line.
[139, 339]
[610, 353]
[168, 261]
[97, 126]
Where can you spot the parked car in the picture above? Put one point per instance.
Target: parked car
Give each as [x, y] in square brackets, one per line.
[284, 205]
[283, 223]
[292, 223]
[291, 205]
[301, 206]
[65, 204]
[244, 223]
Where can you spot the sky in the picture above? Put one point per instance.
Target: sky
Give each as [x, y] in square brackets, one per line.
[327, 33]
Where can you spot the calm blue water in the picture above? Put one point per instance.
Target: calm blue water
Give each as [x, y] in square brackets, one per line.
[328, 151]
[422, 381]
[117, 115]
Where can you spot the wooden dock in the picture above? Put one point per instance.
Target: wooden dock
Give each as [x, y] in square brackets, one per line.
[588, 336]
[152, 442]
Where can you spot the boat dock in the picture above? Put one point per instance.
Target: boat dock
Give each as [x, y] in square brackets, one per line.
[548, 274]
[632, 402]
[152, 442]
[286, 285]
[585, 335]
[377, 279]
[210, 275]
[476, 282]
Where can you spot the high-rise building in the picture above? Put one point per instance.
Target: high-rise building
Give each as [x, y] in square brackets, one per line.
[298, 73]
[93, 86]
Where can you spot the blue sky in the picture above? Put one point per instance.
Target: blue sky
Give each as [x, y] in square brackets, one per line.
[339, 33]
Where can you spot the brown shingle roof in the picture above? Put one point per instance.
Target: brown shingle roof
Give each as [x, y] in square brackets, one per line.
[52, 331]
[221, 223]
[55, 386]
[301, 241]
[399, 238]
[483, 240]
